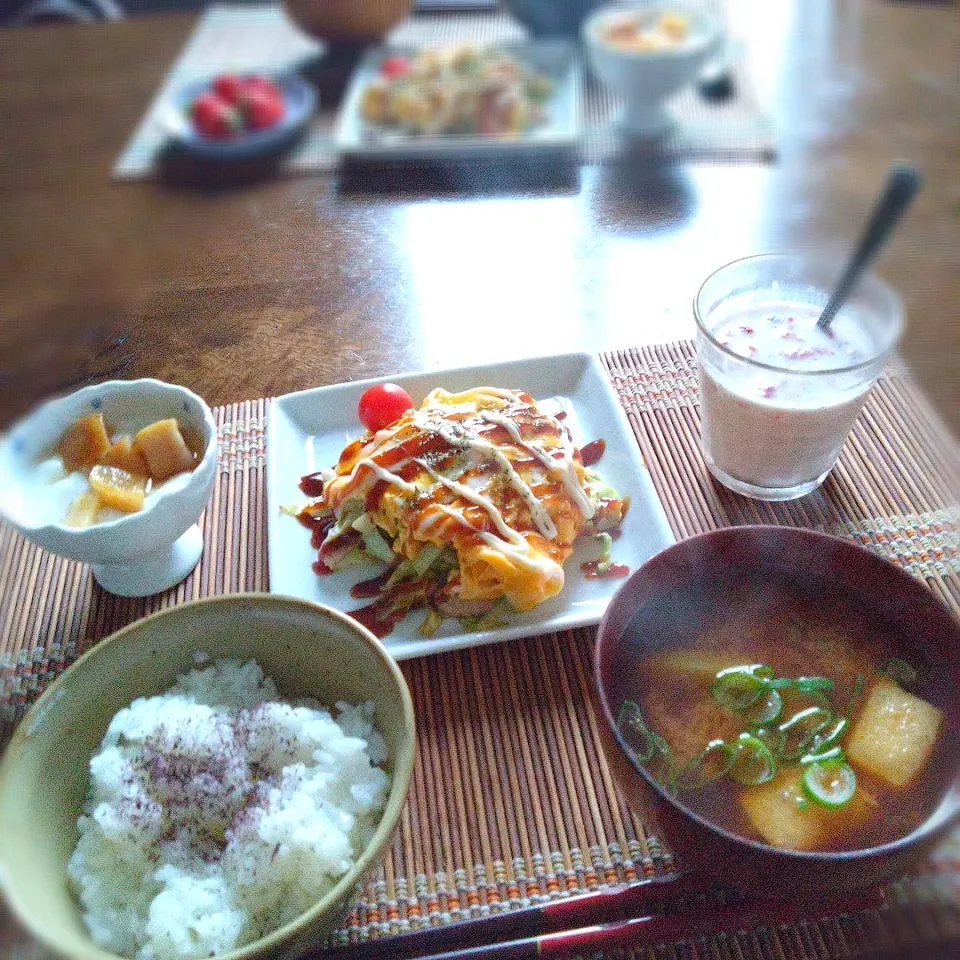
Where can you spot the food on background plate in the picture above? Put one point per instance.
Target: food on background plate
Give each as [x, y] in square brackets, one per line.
[636, 33]
[459, 90]
[107, 478]
[785, 731]
[218, 813]
[235, 104]
[473, 502]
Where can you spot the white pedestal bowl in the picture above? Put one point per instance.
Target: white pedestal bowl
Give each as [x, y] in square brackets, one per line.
[141, 553]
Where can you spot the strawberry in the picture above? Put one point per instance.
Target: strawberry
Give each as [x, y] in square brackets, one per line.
[261, 108]
[257, 81]
[214, 117]
[227, 86]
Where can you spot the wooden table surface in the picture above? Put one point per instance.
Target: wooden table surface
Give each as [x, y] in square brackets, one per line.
[253, 291]
[257, 290]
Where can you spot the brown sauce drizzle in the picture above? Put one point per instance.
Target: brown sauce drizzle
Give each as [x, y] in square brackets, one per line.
[312, 484]
[370, 588]
[374, 494]
[319, 534]
[592, 452]
[616, 571]
[376, 619]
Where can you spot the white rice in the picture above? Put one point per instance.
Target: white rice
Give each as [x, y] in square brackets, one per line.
[217, 814]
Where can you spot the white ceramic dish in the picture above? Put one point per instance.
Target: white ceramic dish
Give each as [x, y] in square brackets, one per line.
[645, 80]
[307, 431]
[354, 138]
[139, 554]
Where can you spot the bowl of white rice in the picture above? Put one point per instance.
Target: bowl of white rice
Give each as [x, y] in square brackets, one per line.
[212, 780]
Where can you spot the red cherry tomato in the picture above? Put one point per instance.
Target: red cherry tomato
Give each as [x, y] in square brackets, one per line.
[261, 109]
[382, 405]
[394, 67]
[227, 86]
[214, 117]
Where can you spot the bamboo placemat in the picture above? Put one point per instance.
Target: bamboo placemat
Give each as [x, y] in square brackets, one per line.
[261, 38]
[511, 801]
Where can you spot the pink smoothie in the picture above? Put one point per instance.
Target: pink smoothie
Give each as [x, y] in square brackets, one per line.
[779, 428]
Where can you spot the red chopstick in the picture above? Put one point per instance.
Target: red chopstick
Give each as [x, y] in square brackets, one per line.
[593, 921]
[600, 906]
[646, 931]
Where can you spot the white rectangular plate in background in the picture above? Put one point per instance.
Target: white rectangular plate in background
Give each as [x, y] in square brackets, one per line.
[308, 430]
[557, 58]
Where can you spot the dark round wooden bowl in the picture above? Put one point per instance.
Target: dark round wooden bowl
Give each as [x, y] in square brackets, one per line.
[350, 22]
[916, 619]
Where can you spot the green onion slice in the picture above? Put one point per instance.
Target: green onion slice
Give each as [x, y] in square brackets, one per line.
[713, 763]
[820, 698]
[828, 736]
[801, 728]
[765, 711]
[773, 738]
[662, 766]
[637, 736]
[830, 783]
[754, 763]
[810, 684]
[737, 688]
[901, 672]
[817, 755]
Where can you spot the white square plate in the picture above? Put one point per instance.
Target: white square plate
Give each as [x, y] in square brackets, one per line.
[557, 58]
[308, 430]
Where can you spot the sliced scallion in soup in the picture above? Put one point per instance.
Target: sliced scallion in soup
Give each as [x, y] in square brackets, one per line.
[784, 729]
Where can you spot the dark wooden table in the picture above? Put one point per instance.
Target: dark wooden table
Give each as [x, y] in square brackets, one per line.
[292, 283]
[253, 291]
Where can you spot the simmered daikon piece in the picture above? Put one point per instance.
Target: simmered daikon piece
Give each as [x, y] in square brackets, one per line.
[164, 448]
[125, 456]
[703, 665]
[785, 817]
[118, 489]
[894, 735]
[84, 443]
[83, 511]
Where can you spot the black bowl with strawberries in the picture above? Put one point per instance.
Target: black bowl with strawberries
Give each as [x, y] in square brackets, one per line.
[242, 115]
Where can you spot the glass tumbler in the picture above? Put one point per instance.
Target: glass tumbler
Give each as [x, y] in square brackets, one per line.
[773, 429]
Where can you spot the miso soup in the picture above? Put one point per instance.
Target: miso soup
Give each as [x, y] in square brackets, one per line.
[791, 716]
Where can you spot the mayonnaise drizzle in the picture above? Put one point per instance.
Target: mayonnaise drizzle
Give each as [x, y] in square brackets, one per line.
[541, 518]
[521, 553]
[434, 417]
[384, 474]
[565, 467]
[425, 526]
[480, 500]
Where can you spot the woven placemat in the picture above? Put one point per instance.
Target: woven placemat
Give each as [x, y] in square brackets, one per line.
[261, 37]
[512, 802]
